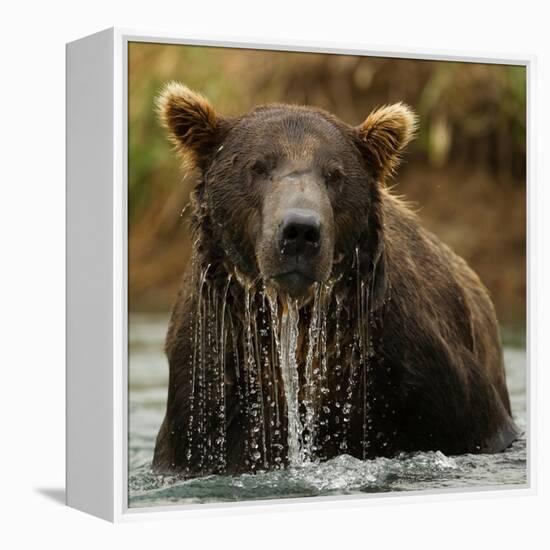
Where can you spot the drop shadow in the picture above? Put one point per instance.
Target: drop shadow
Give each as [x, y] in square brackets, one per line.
[57, 494]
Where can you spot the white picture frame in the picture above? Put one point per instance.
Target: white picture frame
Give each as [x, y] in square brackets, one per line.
[97, 273]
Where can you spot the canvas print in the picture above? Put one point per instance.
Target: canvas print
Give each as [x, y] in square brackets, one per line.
[327, 287]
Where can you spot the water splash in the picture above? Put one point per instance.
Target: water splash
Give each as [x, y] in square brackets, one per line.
[222, 438]
[196, 403]
[289, 372]
[254, 455]
[262, 335]
[312, 381]
[276, 444]
[363, 311]
[340, 475]
[316, 369]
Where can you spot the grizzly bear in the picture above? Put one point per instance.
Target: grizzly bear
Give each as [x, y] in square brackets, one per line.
[317, 316]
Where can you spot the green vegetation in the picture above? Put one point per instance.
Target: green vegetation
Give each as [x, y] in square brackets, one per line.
[466, 170]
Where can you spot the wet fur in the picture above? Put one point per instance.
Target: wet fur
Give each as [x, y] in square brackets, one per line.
[435, 379]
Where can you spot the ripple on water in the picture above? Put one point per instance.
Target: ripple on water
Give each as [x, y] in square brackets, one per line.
[341, 475]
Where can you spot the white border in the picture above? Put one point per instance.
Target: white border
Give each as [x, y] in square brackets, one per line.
[120, 281]
[120, 276]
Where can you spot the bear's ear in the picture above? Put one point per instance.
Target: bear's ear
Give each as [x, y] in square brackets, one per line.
[193, 125]
[384, 135]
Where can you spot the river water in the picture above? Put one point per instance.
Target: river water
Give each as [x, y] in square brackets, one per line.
[148, 379]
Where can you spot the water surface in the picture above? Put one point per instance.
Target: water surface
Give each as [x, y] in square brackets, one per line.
[148, 379]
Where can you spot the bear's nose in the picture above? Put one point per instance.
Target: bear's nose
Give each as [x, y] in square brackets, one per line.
[300, 233]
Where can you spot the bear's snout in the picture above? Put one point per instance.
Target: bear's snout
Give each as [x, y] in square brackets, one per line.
[295, 249]
[299, 242]
[296, 242]
[300, 234]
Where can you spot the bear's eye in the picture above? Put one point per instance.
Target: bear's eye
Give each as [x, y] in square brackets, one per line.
[261, 168]
[333, 176]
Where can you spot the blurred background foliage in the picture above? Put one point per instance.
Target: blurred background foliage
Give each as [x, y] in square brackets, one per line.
[464, 174]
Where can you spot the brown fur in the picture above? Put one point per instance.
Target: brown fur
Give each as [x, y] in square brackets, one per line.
[190, 120]
[412, 341]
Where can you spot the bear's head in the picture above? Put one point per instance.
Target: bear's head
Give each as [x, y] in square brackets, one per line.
[288, 194]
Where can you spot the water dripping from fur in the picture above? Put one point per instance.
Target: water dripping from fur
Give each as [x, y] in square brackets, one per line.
[289, 371]
[291, 403]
